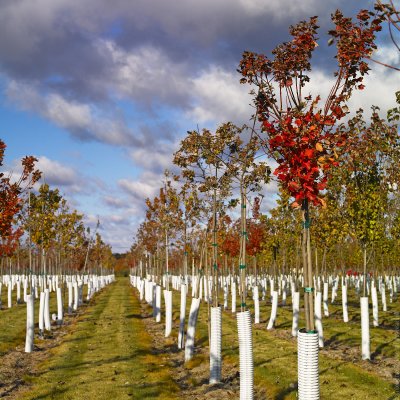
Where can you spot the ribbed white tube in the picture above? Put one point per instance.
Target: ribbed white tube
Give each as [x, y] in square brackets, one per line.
[375, 310]
[245, 355]
[215, 345]
[168, 312]
[181, 334]
[256, 305]
[47, 322]
[325, 299]
[191, 330]
[307, 364]
[318, 318]
[158, 304]
[233, 289]
[274, 308]
[296, 309]
[30, 323]
[59, 306]
[344, 303]
[365, 341]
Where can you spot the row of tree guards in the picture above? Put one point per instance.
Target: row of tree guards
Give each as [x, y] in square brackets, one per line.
[70, 292]
[272, 288]
[338, 201]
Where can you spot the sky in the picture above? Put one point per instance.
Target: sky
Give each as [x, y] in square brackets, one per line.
[102, 92]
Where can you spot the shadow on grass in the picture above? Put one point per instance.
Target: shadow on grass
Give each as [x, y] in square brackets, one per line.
[379, 349]
[284, 392]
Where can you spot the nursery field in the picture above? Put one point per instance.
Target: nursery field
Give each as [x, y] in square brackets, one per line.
[113, 348]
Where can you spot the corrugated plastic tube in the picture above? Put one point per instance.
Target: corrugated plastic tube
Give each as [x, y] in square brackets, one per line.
[307, 364]
[181, 334]
[296, 309]
[194, 312]
[245, 355]
[215, 345]
[271, 322]
[365, 342]
[168, 312]
[30, 323]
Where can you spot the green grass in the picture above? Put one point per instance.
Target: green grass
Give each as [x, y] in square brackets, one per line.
[275, 357]
[107, 355]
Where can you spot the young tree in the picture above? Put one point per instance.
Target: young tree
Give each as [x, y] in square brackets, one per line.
[299, 132]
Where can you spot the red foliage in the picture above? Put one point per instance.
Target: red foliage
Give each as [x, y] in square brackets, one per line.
[300, 135]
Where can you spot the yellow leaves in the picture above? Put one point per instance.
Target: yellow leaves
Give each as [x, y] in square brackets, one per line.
[319, 147]
[323, 202]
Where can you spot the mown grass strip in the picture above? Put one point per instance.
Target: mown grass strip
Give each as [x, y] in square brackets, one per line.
[107, 355]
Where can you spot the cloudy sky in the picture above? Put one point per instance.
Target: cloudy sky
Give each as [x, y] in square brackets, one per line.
[102, 92]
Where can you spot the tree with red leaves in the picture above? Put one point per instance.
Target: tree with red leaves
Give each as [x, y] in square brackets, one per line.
[11, 203]
[299, 131]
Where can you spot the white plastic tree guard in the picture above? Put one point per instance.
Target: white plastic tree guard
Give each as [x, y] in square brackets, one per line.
[296, 310]
[9, 296]
[168, 312]
[181, 334]
[344, 304]
[47, 321]
[30, 323]
[233, 289]
[215, 345]
[41, 313]
[318, 318]
[158, 304]
[375, 312]
[274, 308]
[76, 296]
[365, 341]
[59, 306]
[70, 297]
[307, 364]
[383, 294]
[325, 299]
[245, 355]
[191, 330]
[256, 305]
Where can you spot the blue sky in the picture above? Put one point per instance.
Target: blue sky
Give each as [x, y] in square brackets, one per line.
[102, 92]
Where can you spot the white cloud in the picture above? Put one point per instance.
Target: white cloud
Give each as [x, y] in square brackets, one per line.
[83, 121]
[218, 96]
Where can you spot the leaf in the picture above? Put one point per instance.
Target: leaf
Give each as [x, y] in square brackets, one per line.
[319, 147]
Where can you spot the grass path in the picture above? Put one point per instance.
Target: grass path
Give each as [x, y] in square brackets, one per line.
[107, 355]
